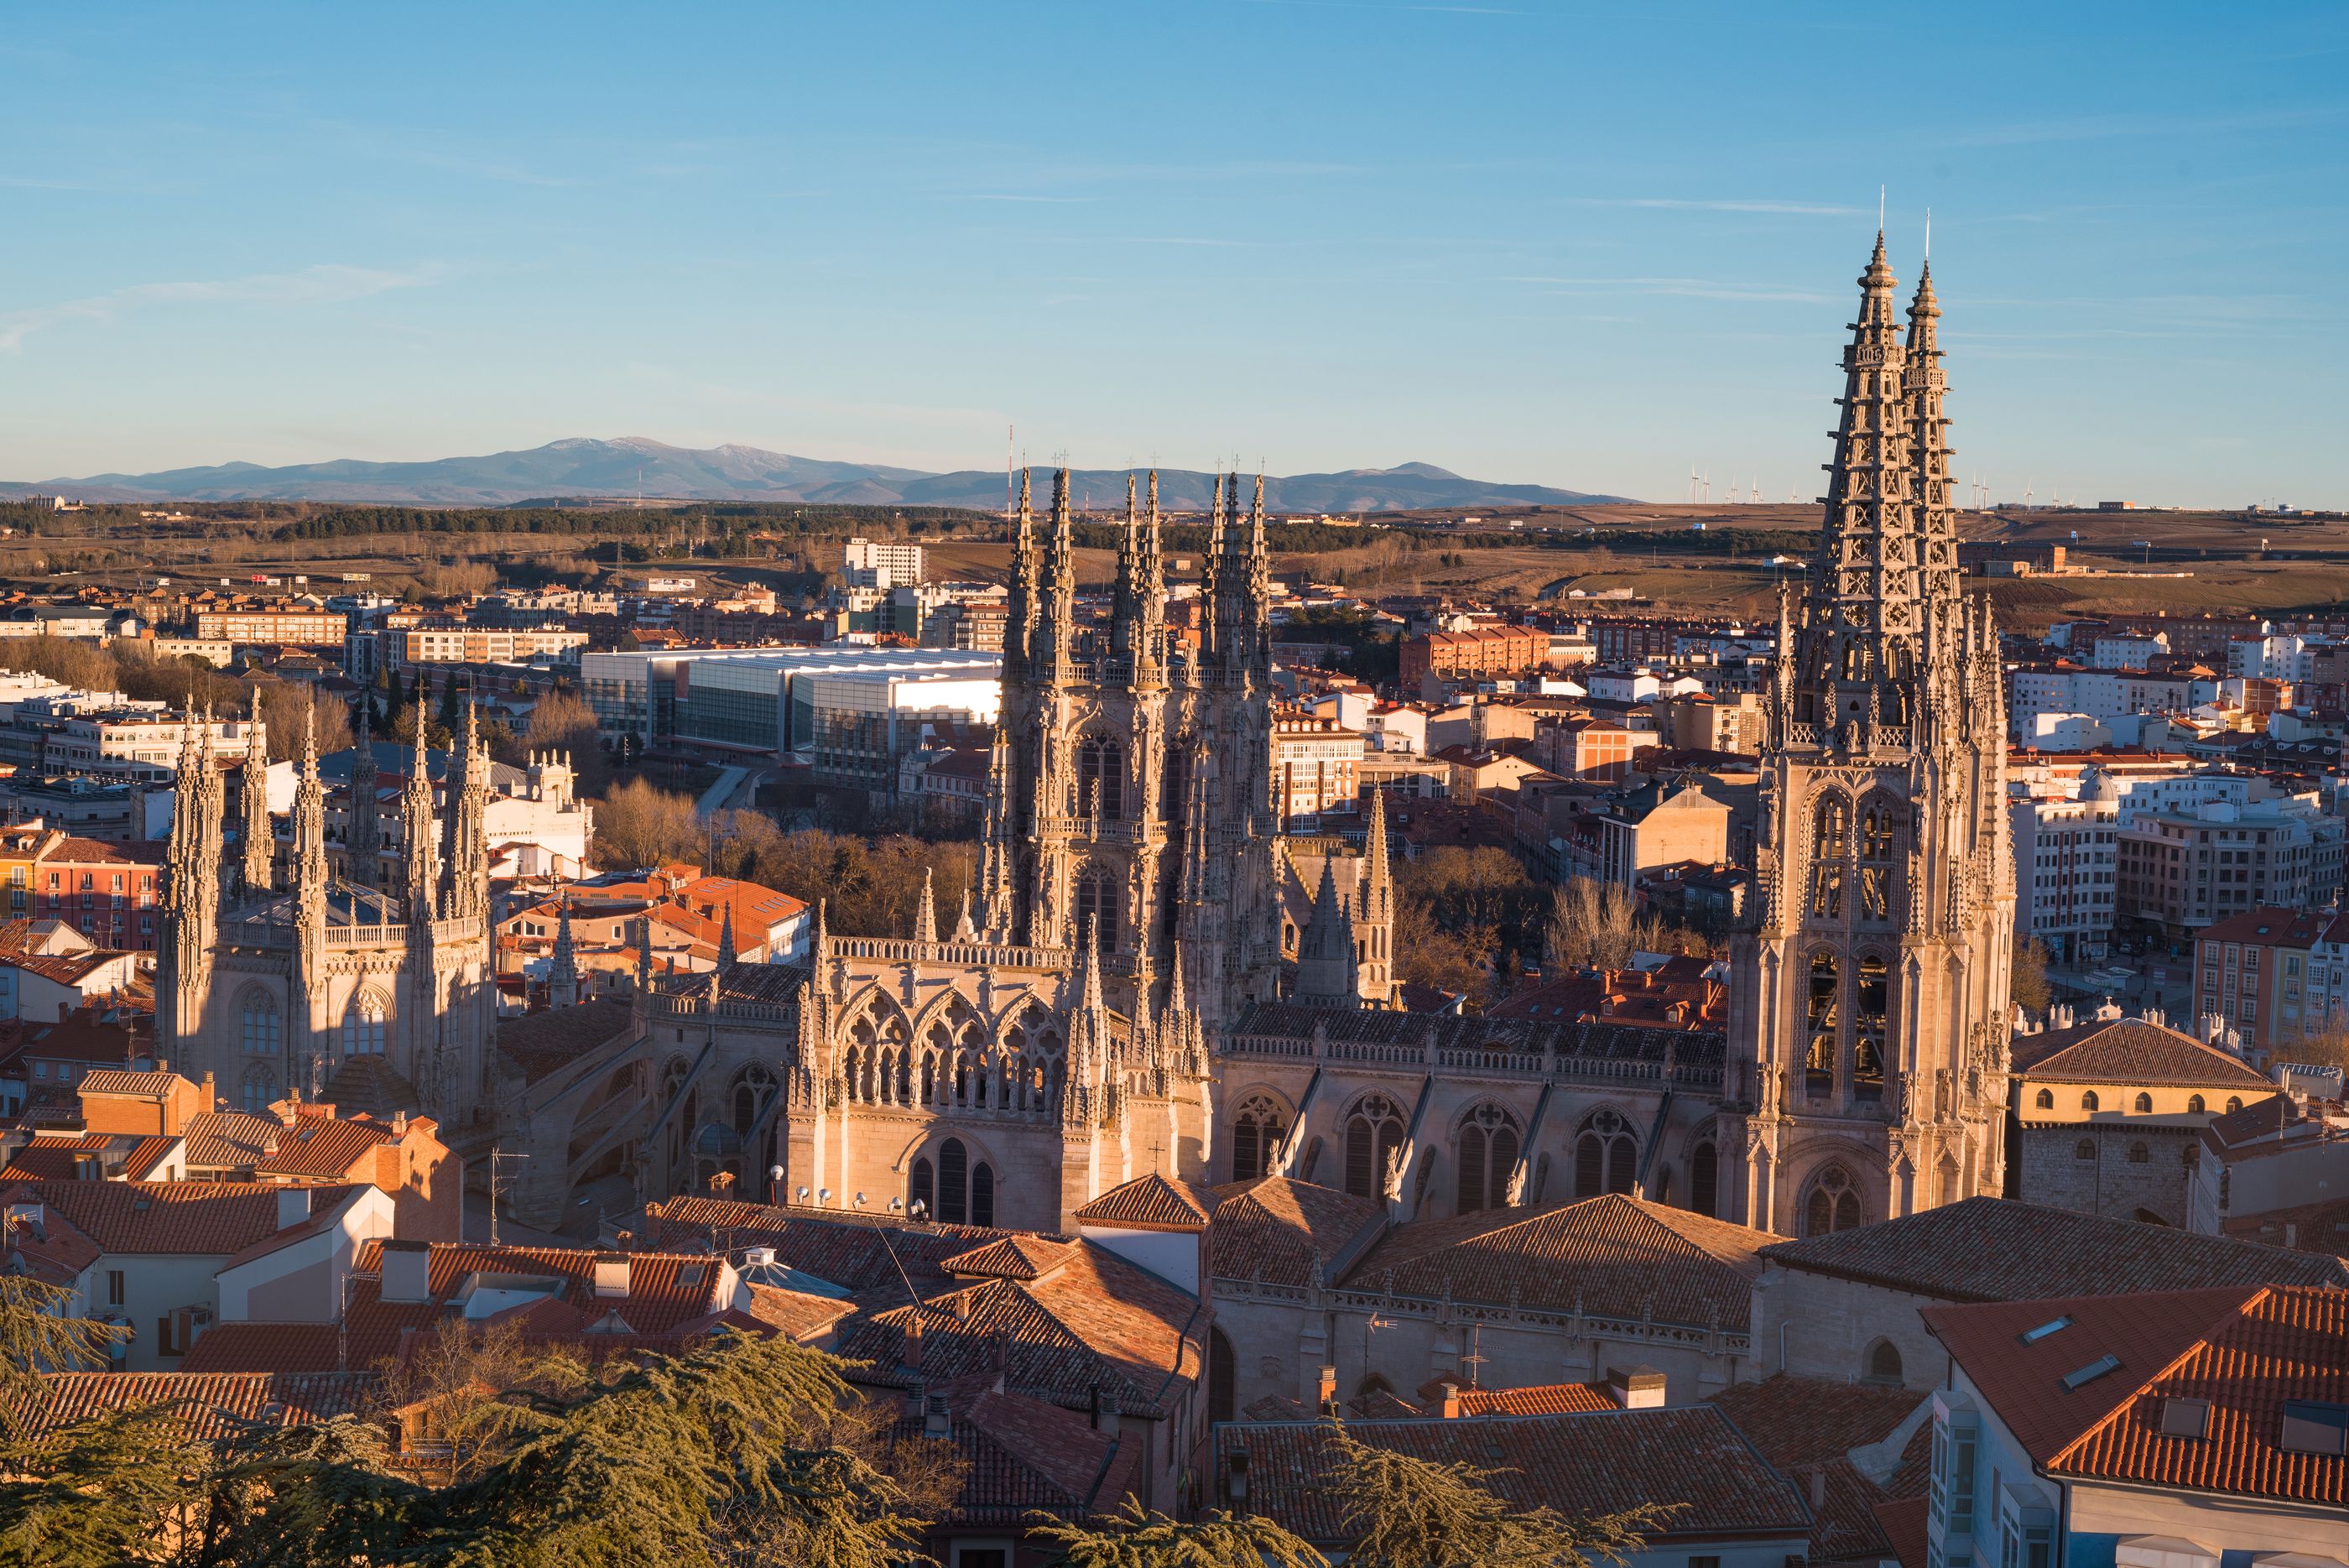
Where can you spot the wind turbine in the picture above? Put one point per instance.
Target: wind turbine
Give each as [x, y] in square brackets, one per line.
[1755, 497]
[1706, 484]
[1692, 494]
[2026, 495]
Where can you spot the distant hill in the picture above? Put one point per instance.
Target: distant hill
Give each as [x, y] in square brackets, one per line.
[579, 468]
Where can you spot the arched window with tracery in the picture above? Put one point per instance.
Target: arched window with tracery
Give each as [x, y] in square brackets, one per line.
[1870, 1029]
[752, 1087]
[261, 1031]
[982, 1194]
[1605, 1155]
[1374, 1135]
[1096, 905]
[1100, 779]
[1488, 1152]
[922, 1191]
[1824, 1026]
[363, 1025]
[1704, 1179]
[954, 1182]
[1830, 855]
[1832, 1205]
[1257, 1132]
[1879, 847]
[260, 1089]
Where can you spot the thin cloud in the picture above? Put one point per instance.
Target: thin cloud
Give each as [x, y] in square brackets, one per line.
[1690, 287]
[1675, 203]
[327, 284]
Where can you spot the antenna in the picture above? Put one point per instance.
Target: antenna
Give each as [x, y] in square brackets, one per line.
[1010, 442]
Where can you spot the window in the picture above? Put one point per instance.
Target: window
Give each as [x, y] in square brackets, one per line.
[982, 1194]
[2139, 1155]
[1488, 1153]
[1819, 1057]
[954, 1183]
[114, 1287]
[1605, 1157]
[260, 1032]
[2144, 1104]
[2084, 1149]
[1832, 1205]
[921, 1192]
[1100, 779]
[2045, 1100]
[2194, 1103]
[1222, 1399]
[1373, 1136]
[2234, 1104]
[1256, 1134]
[1704, 1179]
[1883, 1363]
[260, 1089]
[2314, 1426]
[1868, 1031]
[2088, 1101]
[1097, 905]
[363, 1026]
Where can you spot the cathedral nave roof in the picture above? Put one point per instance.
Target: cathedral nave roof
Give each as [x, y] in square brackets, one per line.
[1483, 1032]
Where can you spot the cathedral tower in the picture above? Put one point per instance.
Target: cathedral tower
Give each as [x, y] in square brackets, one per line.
[1868, 998]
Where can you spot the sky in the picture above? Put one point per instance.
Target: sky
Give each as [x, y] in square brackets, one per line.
[1588, 246]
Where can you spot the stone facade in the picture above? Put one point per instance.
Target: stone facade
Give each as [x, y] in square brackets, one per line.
[2141, 1171]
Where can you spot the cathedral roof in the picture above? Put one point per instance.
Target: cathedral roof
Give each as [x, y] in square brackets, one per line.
[1598, 1040]
[1996, 1248]
[1152, 1202]
[1277, 1231]
[1612, 1256]
[371, 1087]
[757, 984]
[542, 1043]
[2130, 1051]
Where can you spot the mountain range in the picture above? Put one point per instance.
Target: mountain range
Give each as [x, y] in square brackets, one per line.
[580, 467]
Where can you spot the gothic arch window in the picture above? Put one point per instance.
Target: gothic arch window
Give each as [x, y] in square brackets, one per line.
[1488, 1152]
[982, 1194]
[1870, 1030]
[1606, 1156]
[2144, 1104]
[922, 1191]
[954, 1182]
[1883, 1363]
[2045, 1100]
[363, 1025]
[1373, 1134]
[260, 1089]
[1833, 1204]
[1830, 855]
[2089, 1100]
[261, 1031]
[1704, 1179]
[1222, 1378]
[752, 1087]
[1878, 849]
[1100, 779]
[1824, 1003]
[1257, 1131]
[1097, 901]
[2194, 1103]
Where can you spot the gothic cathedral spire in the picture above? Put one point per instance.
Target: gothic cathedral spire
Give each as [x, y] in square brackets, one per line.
[257, 840]
[362, 829]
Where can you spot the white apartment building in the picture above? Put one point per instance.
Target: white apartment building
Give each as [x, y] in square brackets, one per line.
[2130, 652]
[1315, 765]
[877, 563]
[2100, 694]
[2067, 868]
[2280, 655]
[2187, 862]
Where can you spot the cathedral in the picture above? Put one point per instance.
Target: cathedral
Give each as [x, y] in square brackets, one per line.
[320, 983]
[1150, 978]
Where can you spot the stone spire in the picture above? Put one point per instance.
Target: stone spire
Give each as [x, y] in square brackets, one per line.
[726, 952]
[965, 932]
[1860, 645]
[1138, 616]
[191, 898]
[926, 913]
[421, 832]
[1923, 382]
[1325, 952]
[563, 969]
[1059, 588]
[469, 856]
[363, 834]
[1026, 590]
[258, 840]
[1374, 912]
[310, 823]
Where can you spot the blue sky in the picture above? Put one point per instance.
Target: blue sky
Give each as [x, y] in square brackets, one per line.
[1587, 246]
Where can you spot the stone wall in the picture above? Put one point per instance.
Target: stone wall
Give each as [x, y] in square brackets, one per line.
[2133, 1169]
[1821, 1325]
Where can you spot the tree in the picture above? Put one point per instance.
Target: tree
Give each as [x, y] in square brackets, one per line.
[2029, 983]
[1405, 1512]
[638, 824]
[285, 704]
[559, 721]
[37, 1334]
[1136, 1538]
[1594, 923]
[93, 1493]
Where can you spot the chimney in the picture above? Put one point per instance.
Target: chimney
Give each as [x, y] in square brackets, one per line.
[1818, 1489]
[612, 1276]
[292, 1207]
[399, 1123]
[406, 1272]
[935, 1421]
[2290, 1233]
[1325, 1397]
[211, 1094]
[1639, 1388]
[1451, 1402]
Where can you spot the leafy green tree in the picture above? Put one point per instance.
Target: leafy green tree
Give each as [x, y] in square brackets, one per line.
[1135, 1538]
[1401, 1511]
[100, 1492]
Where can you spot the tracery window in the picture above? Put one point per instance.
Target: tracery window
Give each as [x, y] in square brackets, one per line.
[260, 1089]
[1488, 1152]
[1257, 1131]
[1097, 901]
[1606, 1156]
[1830, 855]
[1704, 1179]
[1374, 1135]
[1870, 1031]
[1100, 779]
[1832, 1205]
[261, 1023]
[1878, 845]
[1819, 1056]
[363, 1026]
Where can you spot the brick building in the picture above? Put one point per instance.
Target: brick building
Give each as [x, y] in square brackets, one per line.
[1499, 651]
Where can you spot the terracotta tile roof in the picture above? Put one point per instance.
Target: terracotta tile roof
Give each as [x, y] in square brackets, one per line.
[148, 1085]
[229, 1140]
[1546, 1399]
[543, 1042]
[214, 1403]
[1010, 1258]
[171, 1217]
[1904, 1527]
[52, 1248]
[1027, 1455]
[2244, 1351]
[798, 1313]
[370, 1085]
[1995, 1248]
[266, 1347]
[1814, 1430]
[2309, 1227]
[1152, 1202]
[741, 984]
[1607, 1257]
[2258, 1119]
[322, 1146]
[862, 1254]
[1095, 1322]
[2270, 928]
[1597, 1462]
[1281, 1231]
[2132, 1051]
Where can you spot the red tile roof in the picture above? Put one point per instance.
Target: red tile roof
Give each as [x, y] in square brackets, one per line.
[1815, 1430]
[196, 1218]
[1996, 1248]
[229, 1140]
[1612, 1257]
[322, 1146]
[1152, 1202]
[1010, 1258]
[1281, 1231]
[266, 1347]
[2244, 1351]
[2132, 1051]
[1599, 1462]
[213, 1404]
[2307, 1228]
[1547, 1399]
[1023, 1455]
